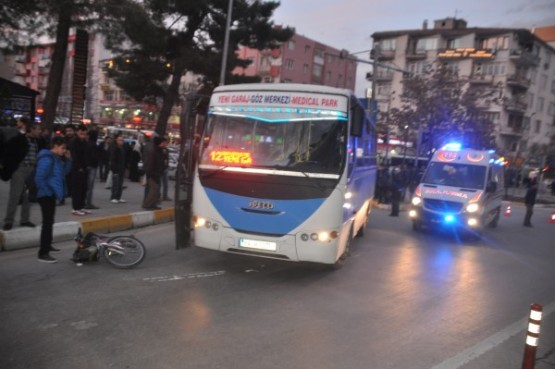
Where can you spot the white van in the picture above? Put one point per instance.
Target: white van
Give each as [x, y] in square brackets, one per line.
[461, 188]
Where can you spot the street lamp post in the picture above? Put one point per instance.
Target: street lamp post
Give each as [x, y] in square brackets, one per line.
[226, 42]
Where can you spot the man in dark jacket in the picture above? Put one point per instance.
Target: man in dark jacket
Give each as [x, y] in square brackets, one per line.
[117, 166]
[154, 169]
[530, 200]
[92, 157]
[19, 160]
[78, 174]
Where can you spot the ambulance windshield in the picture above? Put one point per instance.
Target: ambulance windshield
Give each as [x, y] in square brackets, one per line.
[455, 175]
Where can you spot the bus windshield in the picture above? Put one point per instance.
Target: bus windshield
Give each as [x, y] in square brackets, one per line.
[455, 175]
[312, 144]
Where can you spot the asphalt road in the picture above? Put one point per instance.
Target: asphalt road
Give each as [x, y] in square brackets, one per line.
[403, 300]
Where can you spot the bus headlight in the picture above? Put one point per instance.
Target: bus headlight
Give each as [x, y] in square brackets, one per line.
[472, 208]
[416, 200]
[198, 221]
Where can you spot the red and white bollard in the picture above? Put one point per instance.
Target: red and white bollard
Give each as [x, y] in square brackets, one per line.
[552, 218]
[532, 336]
[508, 211]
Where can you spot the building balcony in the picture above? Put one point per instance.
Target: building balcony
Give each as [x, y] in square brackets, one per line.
[512, 131]
[524, 58]
[518, 81]
[386, 55]
[416, 54]
[384, 77]
[516, 106]
[44, 70]
[480, 79]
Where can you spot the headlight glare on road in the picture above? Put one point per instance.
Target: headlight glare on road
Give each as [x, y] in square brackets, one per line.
[416, 200]
[472, 208]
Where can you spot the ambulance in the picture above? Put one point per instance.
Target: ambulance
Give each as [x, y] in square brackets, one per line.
[461, 188]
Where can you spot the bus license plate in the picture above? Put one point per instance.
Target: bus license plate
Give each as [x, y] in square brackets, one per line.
[257, 244]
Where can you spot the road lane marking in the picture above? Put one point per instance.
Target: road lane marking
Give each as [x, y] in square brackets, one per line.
[491, 342]
[170, 278]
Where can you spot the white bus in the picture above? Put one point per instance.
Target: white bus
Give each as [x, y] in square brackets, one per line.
[285, 171]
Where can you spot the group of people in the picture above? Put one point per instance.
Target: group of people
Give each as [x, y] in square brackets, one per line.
[52, 168]
[392, 184]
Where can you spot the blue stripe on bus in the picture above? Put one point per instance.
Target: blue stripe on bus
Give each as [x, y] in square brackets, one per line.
[290, 213]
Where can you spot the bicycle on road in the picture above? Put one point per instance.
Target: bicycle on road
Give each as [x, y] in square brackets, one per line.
[121, 251]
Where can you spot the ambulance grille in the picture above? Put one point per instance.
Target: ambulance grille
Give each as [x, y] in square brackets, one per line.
[443, 206]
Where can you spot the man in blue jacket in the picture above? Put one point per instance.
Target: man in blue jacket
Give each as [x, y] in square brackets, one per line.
[52, 167]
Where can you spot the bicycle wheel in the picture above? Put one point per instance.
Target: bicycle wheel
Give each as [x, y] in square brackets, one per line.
[128, 253]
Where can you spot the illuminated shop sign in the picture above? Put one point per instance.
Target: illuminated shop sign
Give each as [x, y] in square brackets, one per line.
[463, 53]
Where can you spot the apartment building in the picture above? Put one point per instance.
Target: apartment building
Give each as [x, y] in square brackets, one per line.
[516, 65]
[300, 60]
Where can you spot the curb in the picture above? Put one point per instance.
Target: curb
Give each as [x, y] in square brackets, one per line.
[21, 238]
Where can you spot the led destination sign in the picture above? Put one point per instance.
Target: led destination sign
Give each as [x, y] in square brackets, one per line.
[283, 99]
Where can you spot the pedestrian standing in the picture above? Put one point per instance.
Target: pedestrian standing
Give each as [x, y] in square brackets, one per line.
[117, 167]
[154, 169]
[134, 175]
[165, 174]
[530, 200]
[52, 167]
[78, 174]
[92, 158]
[19, 159]
[396, 186]
[104, 158]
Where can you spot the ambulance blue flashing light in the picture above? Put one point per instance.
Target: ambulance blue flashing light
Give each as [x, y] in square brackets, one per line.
[452, 146]
[449, 218]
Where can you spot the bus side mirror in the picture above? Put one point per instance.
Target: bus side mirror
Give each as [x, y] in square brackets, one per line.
[357, 121]
[492, 187]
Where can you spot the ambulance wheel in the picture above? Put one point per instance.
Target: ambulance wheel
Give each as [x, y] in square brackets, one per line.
[495, 219]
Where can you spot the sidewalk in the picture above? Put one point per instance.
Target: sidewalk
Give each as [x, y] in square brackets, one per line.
[109, 218]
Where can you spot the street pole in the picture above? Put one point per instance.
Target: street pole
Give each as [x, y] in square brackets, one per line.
[226, 43]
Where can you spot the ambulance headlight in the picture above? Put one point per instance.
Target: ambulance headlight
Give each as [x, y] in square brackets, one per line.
[472, 208]
[416, 201]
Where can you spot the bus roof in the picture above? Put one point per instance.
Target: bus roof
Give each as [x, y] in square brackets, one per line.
[296, 87]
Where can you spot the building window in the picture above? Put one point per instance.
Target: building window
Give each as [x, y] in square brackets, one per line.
[388, 44]
[317, 71]
[543, 82]
[307, 49]
[305, 68]
[553, 86]
[289, 64]
[493, 69]
[291, 45]
[417, 68]
[533, 77]
[426, 44]
[551, 109]
[530, 99]
[109, 95]
[384, 90]
[329, 75]
[538, 126]
[541, 101]
[454, 43]
[495, 43]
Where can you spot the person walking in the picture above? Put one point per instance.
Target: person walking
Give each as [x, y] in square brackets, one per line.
[154, 169]
[19, 159]
[530, 200]
[78, 174]
[92, 158]
[117, 167]
[396, 186]
[52, 167]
